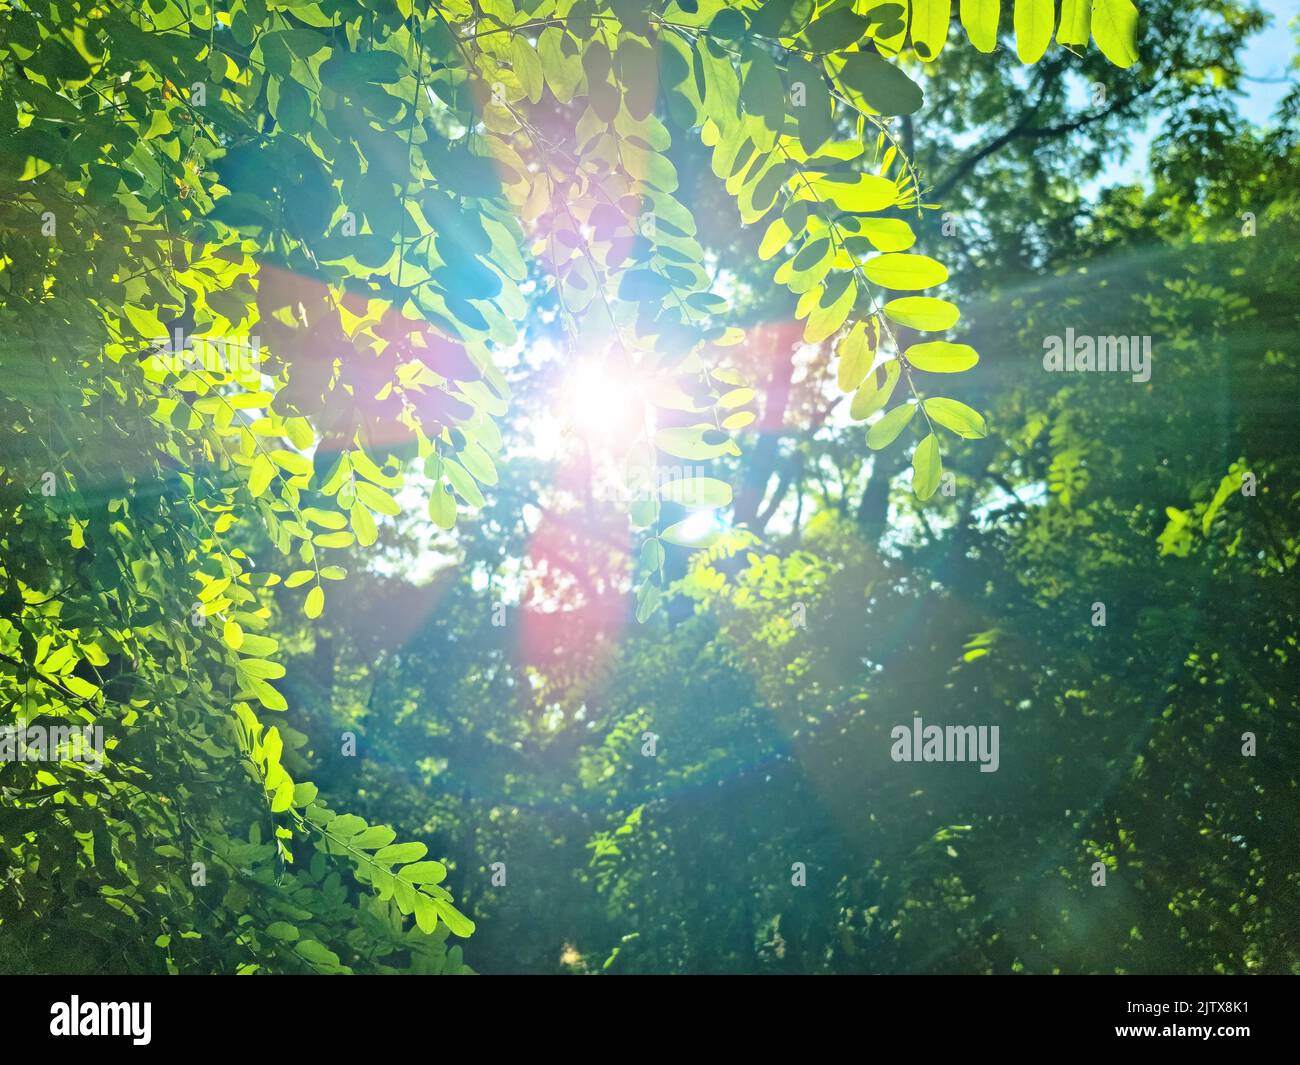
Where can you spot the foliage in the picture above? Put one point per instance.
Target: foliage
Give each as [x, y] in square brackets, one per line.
[1122, 743]
[389, 199]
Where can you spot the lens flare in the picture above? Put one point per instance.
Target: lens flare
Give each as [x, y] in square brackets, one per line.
[601, 404]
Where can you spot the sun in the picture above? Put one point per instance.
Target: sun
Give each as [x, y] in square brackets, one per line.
[601, 404]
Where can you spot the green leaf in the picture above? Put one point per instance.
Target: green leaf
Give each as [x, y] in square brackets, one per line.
[463, 482]
[1075, 24]
[282, 930]
[442, 506]
[856, 351]
[643, 286]
[827, 318]
[424, 873]
[1034, 22]
[810, 102]
[762, 93]
[886, 234]
[638, 75]
[965, 421]
[314, 603]
[283, 797]
[426, 914]
[344, 70]
[930, 20]
[233, 634]
[875, 390]
[980, 18]
[647, 602]
[259, 645]
[377, 499]
[886, 431]
[528, 67]
[701, 442]
[835, 30]
[562, 69]
[942, 356]
[923, 312]
[643, 512]
[881, 86]
[293, 112]
[728, 24]
[479, 463]
[372, 838]
[363, 525]
[260, 476]
[778, 235]
[317, 953]
[402, 852]
[268, 696]
[652, 555]
[258, 667]
[809, 266]
[1114, 28]
[905, 272]
[927, 467]
[853, 192]
[459, 924]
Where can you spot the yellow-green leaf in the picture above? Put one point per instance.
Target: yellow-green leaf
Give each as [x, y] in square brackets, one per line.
[856, 351]
[875, 390]
[965, 421]
[905, 272]
[260, 475]
[459, 924]
[942, 356]
[885, 234]
[377, 499]
[930, 27]
[861, 192]
[827, 319]
[442, 506]
[1075, 23]
[363, 525]
[233, 634]
[528, 67]
[886, 431]
[1114, 28]
[923, 312]
[980, 18]
[1034, 21]
[268, 696]
[314, 603]
[927, 467]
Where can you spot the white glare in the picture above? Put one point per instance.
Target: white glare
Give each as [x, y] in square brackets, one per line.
[601, 404]
[700, 526]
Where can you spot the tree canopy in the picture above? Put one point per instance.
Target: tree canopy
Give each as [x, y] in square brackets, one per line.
[293, 294]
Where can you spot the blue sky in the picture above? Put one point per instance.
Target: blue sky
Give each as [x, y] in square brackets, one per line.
[1267, 56]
